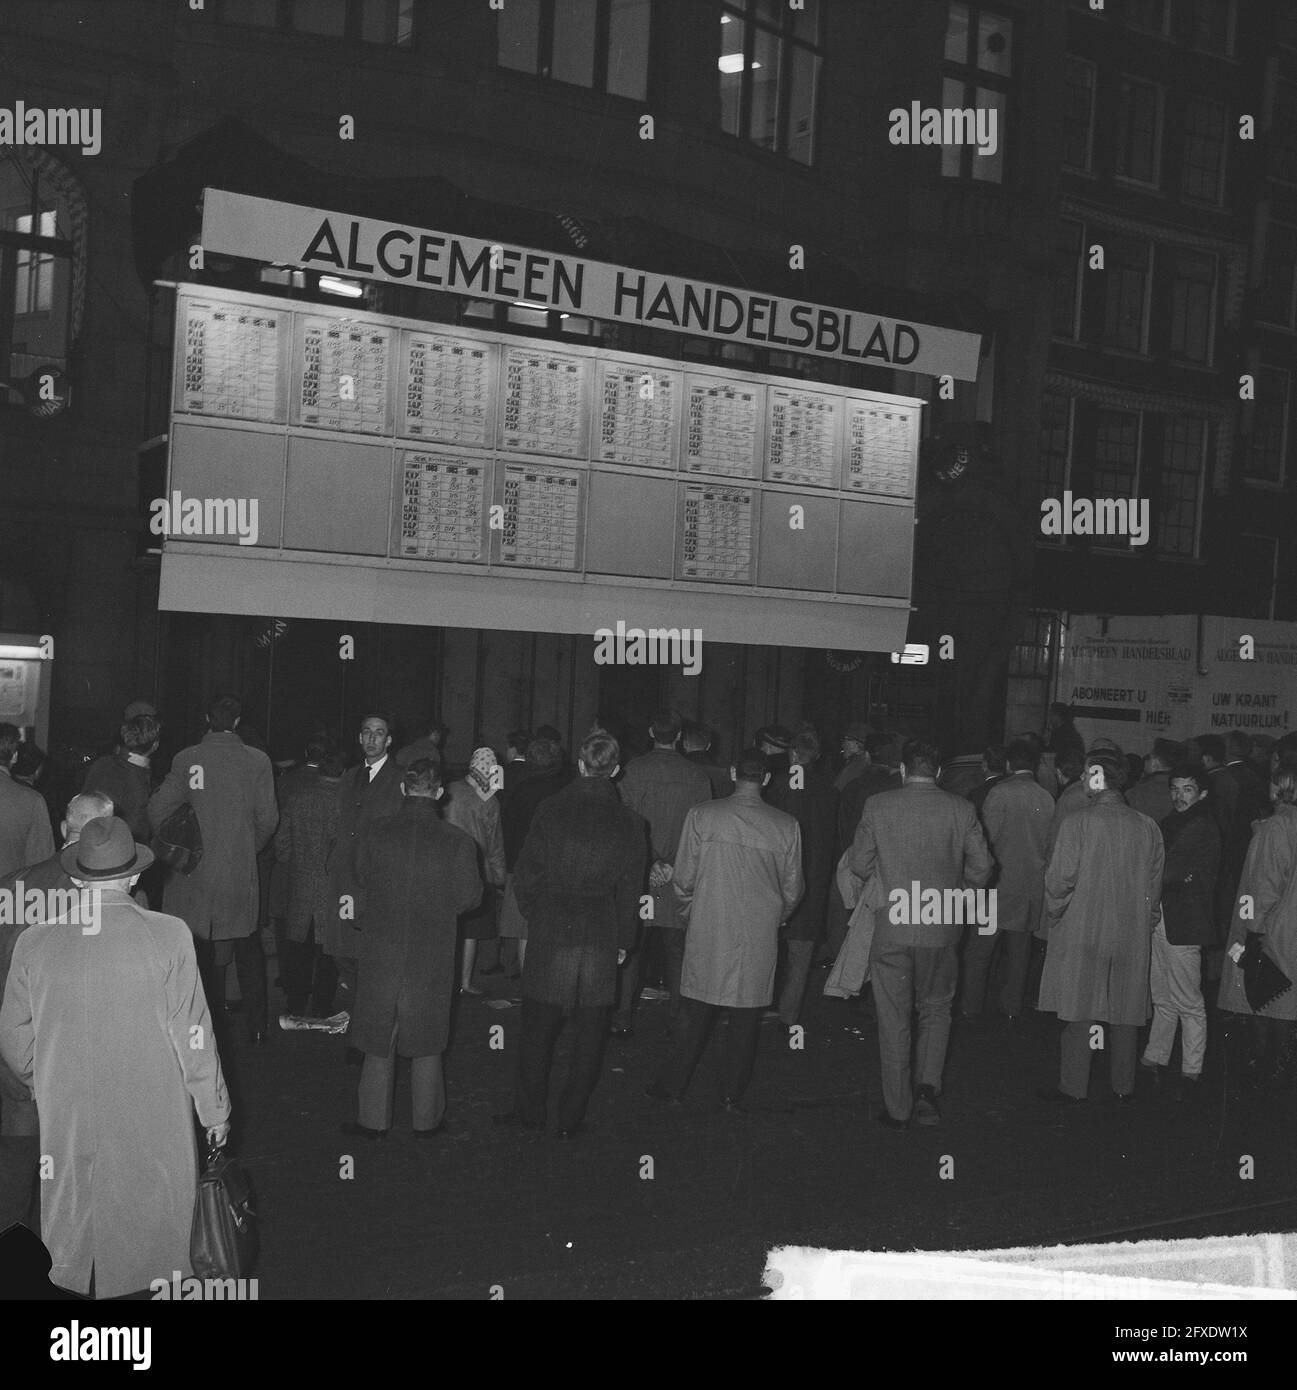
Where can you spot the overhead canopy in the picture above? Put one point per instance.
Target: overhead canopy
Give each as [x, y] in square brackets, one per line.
[165, 217]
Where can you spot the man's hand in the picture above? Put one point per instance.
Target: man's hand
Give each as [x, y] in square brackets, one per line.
[217, 1135]
[660, 874]
[621, 956]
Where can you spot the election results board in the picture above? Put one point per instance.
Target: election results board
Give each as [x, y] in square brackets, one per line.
[505, 457]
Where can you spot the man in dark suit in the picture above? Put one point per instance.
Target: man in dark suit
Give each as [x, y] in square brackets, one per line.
[25, 834]
[365, 794]
[995, 768]
[515, 757]
[920, 836]
[578, 882]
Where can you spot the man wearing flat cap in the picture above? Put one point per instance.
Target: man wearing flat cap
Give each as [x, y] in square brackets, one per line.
[105, 1019]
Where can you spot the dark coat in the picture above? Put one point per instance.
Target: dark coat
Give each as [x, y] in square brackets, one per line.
[479, 818]
[663, 787]
[360, 803]
[1191, 840]
[308, 825]
[519, 804]
[237, 815]
[1269, 881]
[128, 784]
[416, 874]
[851, 803]
[578, 881]
[25, 835]
[815, 809]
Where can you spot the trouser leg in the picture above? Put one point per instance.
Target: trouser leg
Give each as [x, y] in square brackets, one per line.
[377, 1088]
[325, 985]
[1075, 1056]
[628, 982]
[250, 965]
[695, 1024]
[1161, 1036]
[1035, 968]
[741, 1047]
[797, 971]
[1017, 955]
[469, 961]
[1184, 979]
[893, 979]
[427, 1091]
[1121, 1039]
[541, 1025]
[348, 968]
[979, 956]
[295, 959]
[673, 945]
[936, 973]
[589, 1032]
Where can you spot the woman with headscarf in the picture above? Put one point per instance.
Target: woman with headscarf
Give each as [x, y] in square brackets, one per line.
[473, 806]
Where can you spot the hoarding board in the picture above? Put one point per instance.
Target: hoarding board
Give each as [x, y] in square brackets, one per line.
[375, 445]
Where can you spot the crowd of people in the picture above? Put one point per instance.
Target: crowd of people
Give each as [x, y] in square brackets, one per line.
[1117, 889]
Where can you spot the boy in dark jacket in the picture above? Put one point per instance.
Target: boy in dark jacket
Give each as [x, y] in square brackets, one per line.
[1191, 837]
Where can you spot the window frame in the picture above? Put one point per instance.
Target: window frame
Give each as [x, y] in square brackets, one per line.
[1155, 523]
[1273, 542]
[1078, 288]
[1117, 546]
[1290, 321]
[1231, 30]
[1093, 68]
[1172, 279]
[1159, 133]
[971, 77]
[1068, 456]
[745, 12]
[1277, 484]
[1219, 199]
[1146, 312]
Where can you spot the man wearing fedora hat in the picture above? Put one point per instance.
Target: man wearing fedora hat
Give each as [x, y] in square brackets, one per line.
[108, 1025]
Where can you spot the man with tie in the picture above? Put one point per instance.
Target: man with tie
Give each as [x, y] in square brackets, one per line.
[366, 793]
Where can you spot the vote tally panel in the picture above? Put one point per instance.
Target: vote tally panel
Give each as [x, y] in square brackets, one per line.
[364, 435]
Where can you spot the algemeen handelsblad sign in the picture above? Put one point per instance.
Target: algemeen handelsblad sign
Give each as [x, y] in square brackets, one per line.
[235, 224]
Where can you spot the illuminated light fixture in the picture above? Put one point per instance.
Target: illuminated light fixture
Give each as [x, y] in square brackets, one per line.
[8, 653]
[542, 308]
[733, 62]
[725, 19]
[915, 654]
[334, 284]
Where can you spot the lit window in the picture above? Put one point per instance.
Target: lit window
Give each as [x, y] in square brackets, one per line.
[978, 75]
[600, 44]
[769, 65]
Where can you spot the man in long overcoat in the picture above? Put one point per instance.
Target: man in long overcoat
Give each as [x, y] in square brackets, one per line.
[578, 880]
[108, 1025]
[1016, 816]
[926, 838]
[415, 874]
[738, 876]
[25, 833]
[232, 790]
[1102, 892]
[1265, 908]
[365, 794]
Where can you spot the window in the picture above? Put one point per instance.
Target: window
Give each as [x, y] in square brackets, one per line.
[35, 273]
[388, 22]
[1256, 561]
[1203, 166]
[1283, 133]
[769, 75]
[1078, 113]
[978, 73]
[1213, 26]
[1055, 446]
[601, 44]
[1193, 297]
[1264, 462]
[1183, 460]
[1125, 315]
[1279, 277]
[1116, 453]
[1147, 14]
[1069, 250]
[1139, 130]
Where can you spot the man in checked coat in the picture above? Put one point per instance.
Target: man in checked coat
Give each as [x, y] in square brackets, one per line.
[578, 882]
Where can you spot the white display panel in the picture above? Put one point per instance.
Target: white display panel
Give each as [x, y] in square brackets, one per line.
[432, 450]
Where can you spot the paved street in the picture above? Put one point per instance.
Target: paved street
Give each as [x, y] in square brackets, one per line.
[481, 1207]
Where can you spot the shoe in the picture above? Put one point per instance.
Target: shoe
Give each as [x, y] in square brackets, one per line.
[621, 1030]
[655, 1090]
[925, 1107]
[572, 1133]
[653, 995]
[468, 989]
[430, 1133]
[1056, 1097]
[890, 1122]
[513, 1120]
[337, 1023]
[292, 1023]
[359, 1131]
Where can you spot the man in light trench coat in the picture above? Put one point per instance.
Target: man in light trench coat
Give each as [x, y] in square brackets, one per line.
[105, 1019]
[1103, 891]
